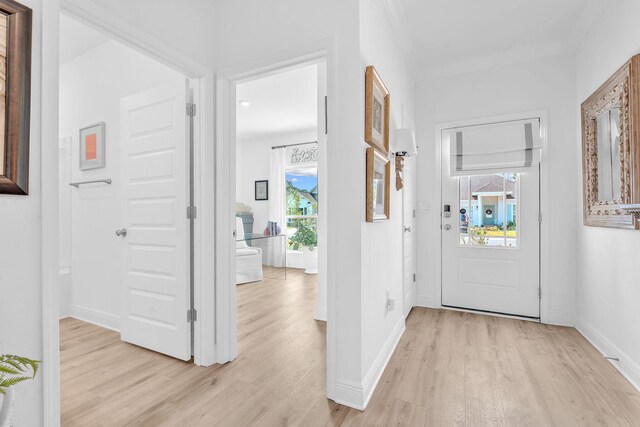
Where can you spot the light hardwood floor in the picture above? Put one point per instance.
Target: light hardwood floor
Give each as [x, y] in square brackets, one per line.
[450, 368]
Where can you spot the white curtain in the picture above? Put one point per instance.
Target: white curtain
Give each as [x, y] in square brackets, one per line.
[494, 148]
[277, 202]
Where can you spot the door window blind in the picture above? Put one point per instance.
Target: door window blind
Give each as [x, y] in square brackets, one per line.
[494, 148]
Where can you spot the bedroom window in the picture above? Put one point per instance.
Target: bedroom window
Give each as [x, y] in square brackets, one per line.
[302, 206]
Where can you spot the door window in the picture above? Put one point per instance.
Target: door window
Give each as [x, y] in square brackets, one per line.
[488, 210]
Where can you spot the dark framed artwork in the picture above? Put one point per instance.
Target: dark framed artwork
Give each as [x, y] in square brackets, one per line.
[376, 122]
[15, 96]
[262, 190]
[92, 147]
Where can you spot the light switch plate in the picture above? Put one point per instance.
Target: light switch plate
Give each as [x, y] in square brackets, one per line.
[424, 207]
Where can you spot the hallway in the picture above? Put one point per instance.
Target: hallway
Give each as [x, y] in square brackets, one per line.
[450, 368]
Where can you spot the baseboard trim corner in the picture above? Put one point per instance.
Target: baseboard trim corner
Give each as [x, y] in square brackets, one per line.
[627, 366]
[321, 314]
[357, 396]
[561, 319]
[95, 317]
[349, 393]
[374, 374]
[426, 301]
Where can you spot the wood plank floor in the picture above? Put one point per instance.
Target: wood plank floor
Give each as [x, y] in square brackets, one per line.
[450, 368]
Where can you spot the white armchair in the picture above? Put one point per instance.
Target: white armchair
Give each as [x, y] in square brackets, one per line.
[248, 259]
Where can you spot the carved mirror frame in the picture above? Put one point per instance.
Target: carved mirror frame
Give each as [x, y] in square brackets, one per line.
[16, 80]
[621, 91]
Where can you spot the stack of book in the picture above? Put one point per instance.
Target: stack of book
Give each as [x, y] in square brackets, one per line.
[272, 228]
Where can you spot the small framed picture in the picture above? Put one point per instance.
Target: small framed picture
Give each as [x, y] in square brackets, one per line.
[378, 186]
[376, 123]
[92, 147]
[262, 190]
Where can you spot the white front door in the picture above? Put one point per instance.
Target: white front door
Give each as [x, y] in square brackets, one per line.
[490, 241]
[155, 183]
[408, 246]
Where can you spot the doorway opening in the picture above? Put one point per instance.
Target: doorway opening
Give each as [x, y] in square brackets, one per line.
[126, 197]
[280, 214]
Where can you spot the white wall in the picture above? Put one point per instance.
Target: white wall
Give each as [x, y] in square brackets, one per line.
[91, 87]
[608, 268]
[544, 84]
[20, 254]
[185, 26]
[382, 241]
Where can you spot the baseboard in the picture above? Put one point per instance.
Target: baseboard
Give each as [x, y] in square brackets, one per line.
[627, 367]
[321, 314]
[561, 319]
[349, 393]
[370, 380]
[96, 317]
[426, 301]
[357, 396]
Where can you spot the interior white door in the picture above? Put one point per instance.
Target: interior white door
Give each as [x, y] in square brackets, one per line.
[155, 184]
[408, 246]
[490, 241]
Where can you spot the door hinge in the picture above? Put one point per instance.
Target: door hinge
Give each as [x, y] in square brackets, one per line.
[192, 315]
[414, 277]
[539, 217]
[414, 213]
[191, 109]
[326, 118]
[539, 293]
[192, 212]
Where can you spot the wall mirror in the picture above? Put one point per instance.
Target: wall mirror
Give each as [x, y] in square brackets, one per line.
[611, 150]
[15, 96]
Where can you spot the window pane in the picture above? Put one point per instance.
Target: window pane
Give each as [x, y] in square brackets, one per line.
[302, 191]
[301, 232]
[488, 210]
[302, 202]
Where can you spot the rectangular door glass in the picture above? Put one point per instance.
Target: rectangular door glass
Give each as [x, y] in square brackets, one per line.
[487, 210]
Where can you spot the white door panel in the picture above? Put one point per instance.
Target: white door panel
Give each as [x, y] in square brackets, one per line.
[484, 266]
[408, 247]
[155, 185]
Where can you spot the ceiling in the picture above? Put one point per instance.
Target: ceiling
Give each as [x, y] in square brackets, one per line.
[281, 103]
[445, 32]
[77, 38]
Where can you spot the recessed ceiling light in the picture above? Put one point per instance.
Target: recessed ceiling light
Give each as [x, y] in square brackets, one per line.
[244, 103]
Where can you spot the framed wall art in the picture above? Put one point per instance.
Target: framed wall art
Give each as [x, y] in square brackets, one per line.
[15, 96]
[376, 123]
[611, 150]
[262, 190]
[378, 186]
[92, 147]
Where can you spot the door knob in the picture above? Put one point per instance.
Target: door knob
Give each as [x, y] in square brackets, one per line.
[447, 227]
[121, 233]
[407, 229]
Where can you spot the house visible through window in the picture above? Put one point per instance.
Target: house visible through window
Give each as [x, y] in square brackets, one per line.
[488, 210]
[302, 207]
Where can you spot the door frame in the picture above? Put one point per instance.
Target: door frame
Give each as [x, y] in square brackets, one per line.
[544, 247]
[227, 80]
[202, 82]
